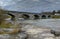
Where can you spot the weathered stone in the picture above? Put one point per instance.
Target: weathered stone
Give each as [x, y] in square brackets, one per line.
[56, 33]
[27, 15]
[21, 35]
[4, 36]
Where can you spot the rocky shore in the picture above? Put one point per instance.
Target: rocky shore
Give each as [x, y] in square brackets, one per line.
[28, 31]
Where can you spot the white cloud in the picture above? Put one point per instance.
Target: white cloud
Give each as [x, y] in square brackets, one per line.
[8, 2]
[2, 3]
[30, 5]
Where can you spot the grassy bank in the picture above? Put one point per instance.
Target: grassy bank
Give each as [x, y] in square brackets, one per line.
[5, 25]
[54, 16]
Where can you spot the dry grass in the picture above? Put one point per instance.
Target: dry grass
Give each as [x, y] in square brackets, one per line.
[14, 31]
[5, 25]
[55, 16]
[2, 32]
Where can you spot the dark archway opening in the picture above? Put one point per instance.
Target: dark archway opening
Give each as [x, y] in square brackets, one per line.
[43, 17]
[25, 16]
[36, 17]
[49, 16]
[12, 16]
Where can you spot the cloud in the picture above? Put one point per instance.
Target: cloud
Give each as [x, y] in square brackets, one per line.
[53, 1]
[30, 5]
[36, 0]
[8, 2]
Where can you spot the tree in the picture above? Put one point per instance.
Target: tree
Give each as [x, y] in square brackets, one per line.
[54, 12]
[58, 11]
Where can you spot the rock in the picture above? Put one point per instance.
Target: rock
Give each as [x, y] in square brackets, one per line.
[49, 38]
[5, 36]
[22, 36]
[8, 29]
[56, 33]
[47, 35]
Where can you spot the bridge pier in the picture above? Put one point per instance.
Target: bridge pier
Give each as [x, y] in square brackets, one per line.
[40, 17]
[46, 16]
[32, 17]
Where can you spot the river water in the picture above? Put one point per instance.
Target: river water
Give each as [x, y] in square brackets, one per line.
[39, 29]
[47, 23]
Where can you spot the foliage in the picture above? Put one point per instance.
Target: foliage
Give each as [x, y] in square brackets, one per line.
[58, 11]
[54, 12]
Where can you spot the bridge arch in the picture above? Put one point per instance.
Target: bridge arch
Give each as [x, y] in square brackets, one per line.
[12, 16]
[49, 16]
[43, 16]
[25, 16]
[36, 17]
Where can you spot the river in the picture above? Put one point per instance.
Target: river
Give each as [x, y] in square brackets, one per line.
[47, 23]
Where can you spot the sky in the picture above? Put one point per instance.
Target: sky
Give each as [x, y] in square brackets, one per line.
[30, 5]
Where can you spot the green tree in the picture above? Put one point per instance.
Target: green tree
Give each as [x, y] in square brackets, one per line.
[54, 12]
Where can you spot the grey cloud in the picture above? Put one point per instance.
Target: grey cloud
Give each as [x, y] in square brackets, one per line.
[31, 5]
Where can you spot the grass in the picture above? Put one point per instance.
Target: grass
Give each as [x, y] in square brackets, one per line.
[10, 25]
[54, 16]
[5, 25]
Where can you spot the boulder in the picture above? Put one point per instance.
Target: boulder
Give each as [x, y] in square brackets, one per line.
[56, 33]
[4, 36]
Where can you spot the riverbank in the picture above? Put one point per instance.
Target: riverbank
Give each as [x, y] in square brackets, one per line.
[36, 29]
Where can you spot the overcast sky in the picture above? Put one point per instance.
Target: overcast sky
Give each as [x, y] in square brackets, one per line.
[30, 5]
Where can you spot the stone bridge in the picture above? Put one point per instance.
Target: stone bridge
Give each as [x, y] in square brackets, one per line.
[28, 15]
